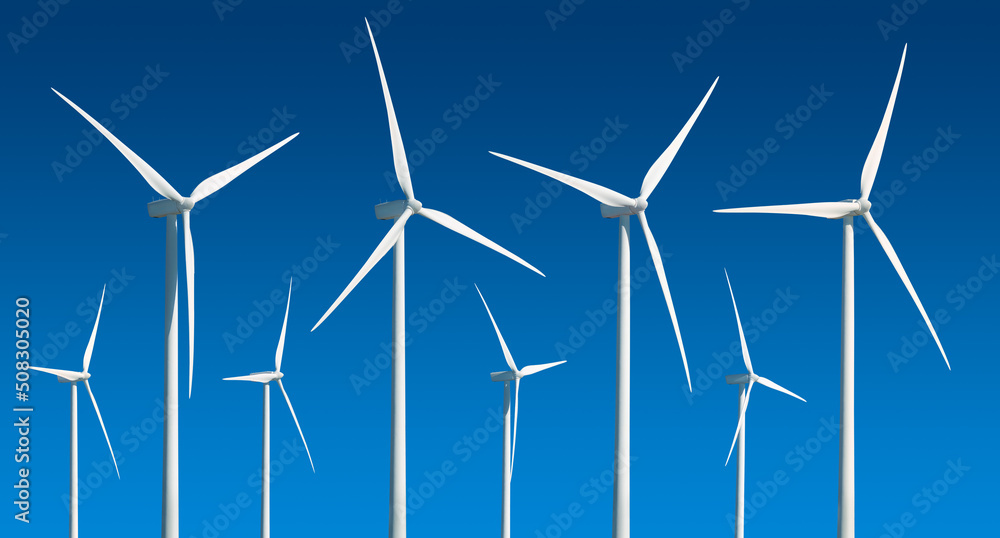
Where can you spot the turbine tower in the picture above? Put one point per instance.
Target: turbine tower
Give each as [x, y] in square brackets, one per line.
[66, 376]
[515, 375]
[846, 210]
[747, 379]
[401, 211]
[265, 379]
[615, 205]
[174, 204]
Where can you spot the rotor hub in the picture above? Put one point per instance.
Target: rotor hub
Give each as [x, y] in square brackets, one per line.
[414, 205]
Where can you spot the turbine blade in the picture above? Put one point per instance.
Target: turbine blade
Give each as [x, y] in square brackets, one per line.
[655, 173]
[875, 154]
[264, 377]
[93, 334]
[457, 227]
[398, 153]
[535, 368]
[387, 242]
[739, 425]
[289, 402]
[826, 210]
[513, 443]
[891, 253]
[64, 374]
[101, 420]
[189, 269]
[215, 182]
[654, 251]
[597, 192]
[151, 176]
[739, 325]
[771, 384]
[503, 344]
[284, 325]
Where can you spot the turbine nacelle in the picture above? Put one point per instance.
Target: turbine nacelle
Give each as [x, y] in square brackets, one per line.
[612, 212]
[394, 209]
[509, 375]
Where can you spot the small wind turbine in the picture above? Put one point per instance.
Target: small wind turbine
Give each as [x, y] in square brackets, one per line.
[847, 210]
[401, 211]
[66, 376]
[515, 375]
[747, 379]
[265, 379]
[615, 205]
[170, 207]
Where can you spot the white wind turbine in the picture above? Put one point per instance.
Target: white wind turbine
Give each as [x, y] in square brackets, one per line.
[174, 204]
[847, 210]
[401, 211]
[515, 375]
[265, 379]
[618, 205]
[747, 379]
[66, 376]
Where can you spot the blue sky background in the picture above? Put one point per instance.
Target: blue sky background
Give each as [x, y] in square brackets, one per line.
[67, 234]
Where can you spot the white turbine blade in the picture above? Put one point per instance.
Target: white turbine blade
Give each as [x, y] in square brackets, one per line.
[597, 192]
[827, 210]
[457, 227]
[189, 271]
[215, 182]
[398, 153]
[875, 154]
[289, 402]
[513, 443]
[101, 420]
[654, 251]
[264, 377]
[771, 384]
[739, 325]
[739, 425]
[891, 253]
[655, 173]
[284, 325]
[64, 374]
[535, 368]
[151, 176]
[383, 247]
[503, 344]
[93, 334]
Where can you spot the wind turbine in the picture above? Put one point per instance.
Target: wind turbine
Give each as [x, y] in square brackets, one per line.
[515, 375]
[847, 210]
[265, 379]
[401, 211]
[747, 379]
[615, 205]
[66, 376]
[174, 204]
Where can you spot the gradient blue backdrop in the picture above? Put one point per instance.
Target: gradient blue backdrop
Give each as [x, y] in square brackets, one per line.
[65, 235]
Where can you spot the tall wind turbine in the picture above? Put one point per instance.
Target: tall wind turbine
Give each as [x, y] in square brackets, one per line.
[401, 211]
[747, 379]
[265, 379]
[515, 375]
[66, 376]
[847, 210]
[174, 204]
[615, 205]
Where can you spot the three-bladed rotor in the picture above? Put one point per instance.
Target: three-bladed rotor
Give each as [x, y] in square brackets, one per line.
[402, 210]
[861, 207]
[176, 204]
[615, 204]
[67, 376]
